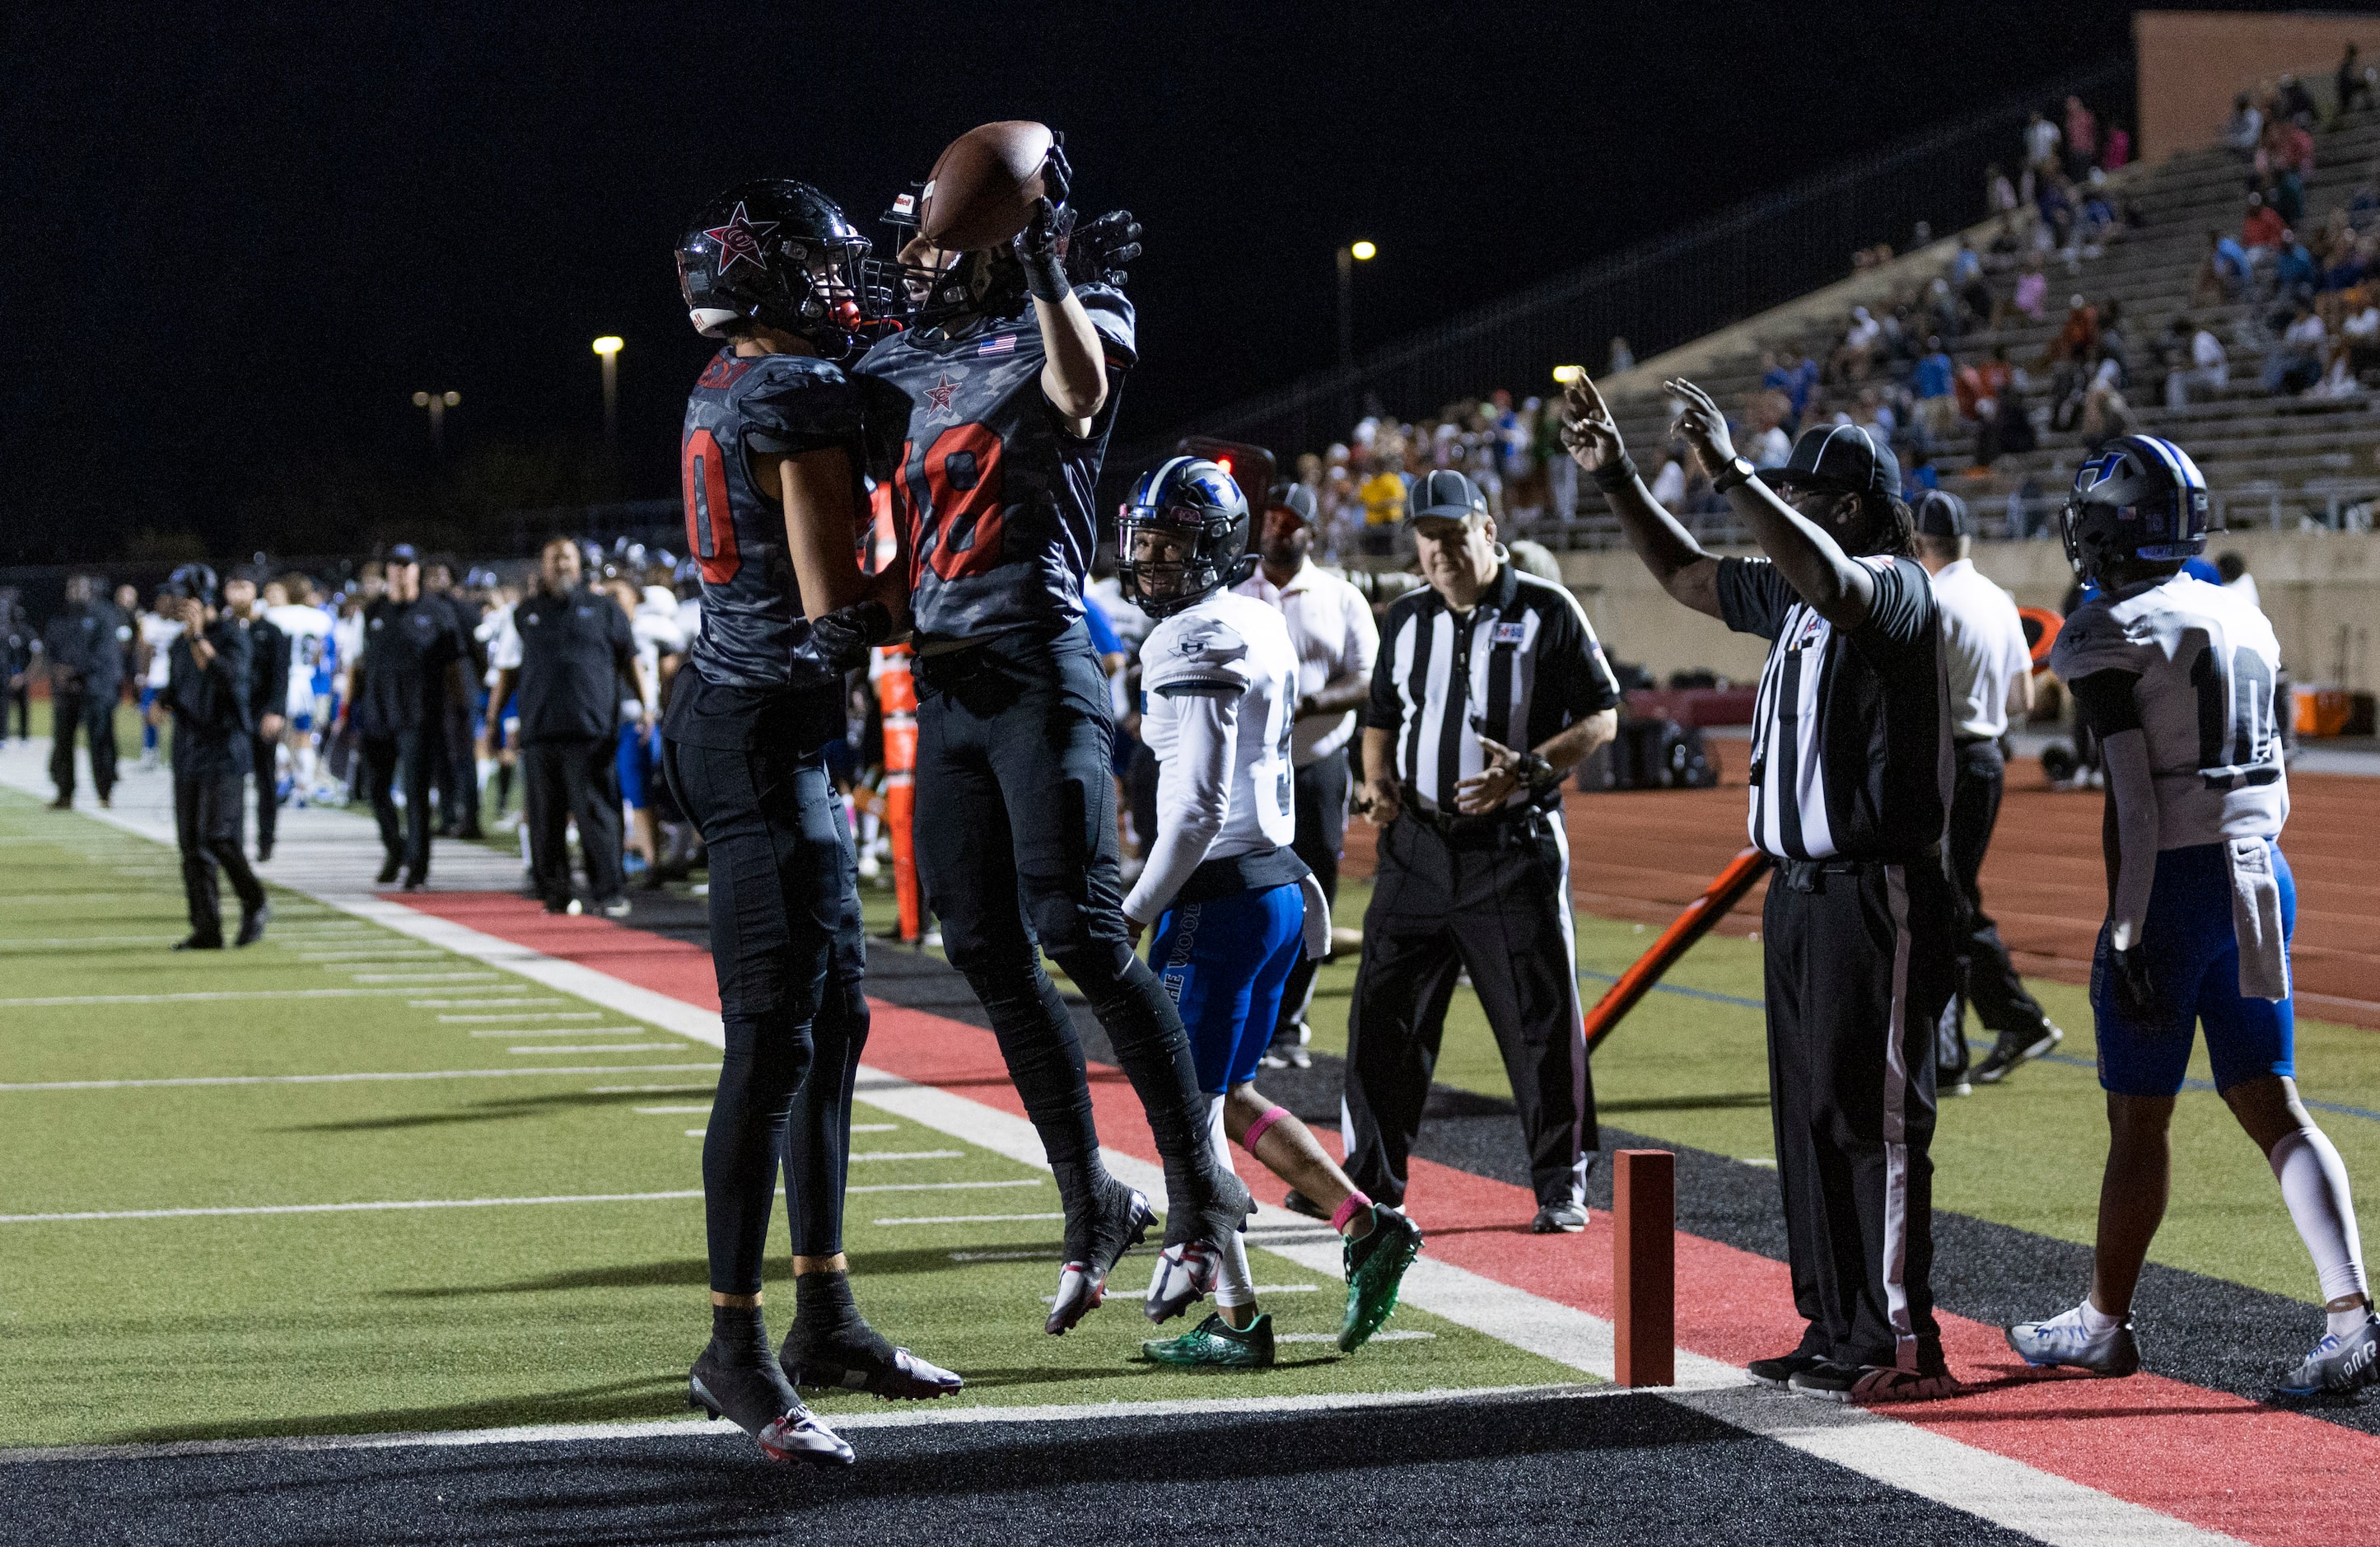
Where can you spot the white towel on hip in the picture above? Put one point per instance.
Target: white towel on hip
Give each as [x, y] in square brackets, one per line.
[2256, 921]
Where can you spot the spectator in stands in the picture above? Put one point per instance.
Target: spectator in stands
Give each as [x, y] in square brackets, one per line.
[1670, 484]
[2079, 337]
[1855, 353]
[1622, 358]
[1561, 474]
[2296, 276]
[2041, 138]
[2032, 297]
[2081, 139]
[1999, 194]
[2115, 344]
[2119, 151]
[1382, 494]
[2222, 272]
[2359, 334]
[2245, 128]
[2203, 364]
[2354, 85]
[2292, 103]
[1968, 283]
[2261, 231]
[1796, 376]
[2296, 363]
[1765, 443]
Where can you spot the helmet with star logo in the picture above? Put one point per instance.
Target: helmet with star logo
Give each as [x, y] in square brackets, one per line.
[779, 254]
[1183, 537]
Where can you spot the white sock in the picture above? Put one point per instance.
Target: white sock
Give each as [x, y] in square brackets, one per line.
[1235, 1286]
[2096, 1321]
[2313, 1184]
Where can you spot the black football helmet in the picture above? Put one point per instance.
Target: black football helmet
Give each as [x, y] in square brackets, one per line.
[778, 253]
[2139, 498]
[196, 582]
[1189, 510]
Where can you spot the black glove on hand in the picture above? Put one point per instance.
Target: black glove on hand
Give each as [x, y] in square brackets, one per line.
[843, 637]
[2136, 990]
[1041, 248]
[1100, 252]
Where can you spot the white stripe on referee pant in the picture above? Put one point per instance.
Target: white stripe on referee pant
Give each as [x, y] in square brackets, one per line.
[1578, 1161]
[1895, 1245]
[1995, 1488]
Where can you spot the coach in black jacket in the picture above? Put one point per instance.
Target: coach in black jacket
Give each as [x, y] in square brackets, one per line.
[207, 690]
[268, 694]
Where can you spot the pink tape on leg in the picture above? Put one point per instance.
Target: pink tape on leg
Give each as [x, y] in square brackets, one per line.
[1256, 1129]
[1357, 1203]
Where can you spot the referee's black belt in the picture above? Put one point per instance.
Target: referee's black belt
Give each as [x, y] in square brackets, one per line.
[1487, 830]
[1809, 875]
[1963, 742]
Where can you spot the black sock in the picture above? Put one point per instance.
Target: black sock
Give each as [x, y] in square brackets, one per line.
[825, 1316]
[738, 1329]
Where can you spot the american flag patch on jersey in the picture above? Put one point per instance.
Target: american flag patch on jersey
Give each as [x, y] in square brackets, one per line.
[997, 344]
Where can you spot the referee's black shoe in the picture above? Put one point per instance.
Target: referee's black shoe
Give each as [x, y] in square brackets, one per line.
[2011, 1051]
[1834, 1381]
[1778, 1373]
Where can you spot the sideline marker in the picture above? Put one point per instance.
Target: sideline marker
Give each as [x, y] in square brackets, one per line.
[1643, 1267]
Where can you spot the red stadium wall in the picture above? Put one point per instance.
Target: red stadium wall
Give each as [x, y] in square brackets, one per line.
[2193, 63]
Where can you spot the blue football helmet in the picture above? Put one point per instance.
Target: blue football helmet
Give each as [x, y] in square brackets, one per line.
[2139, 498]
[1183, 537]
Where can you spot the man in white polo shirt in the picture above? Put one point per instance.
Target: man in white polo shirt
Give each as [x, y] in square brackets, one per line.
[1331, 627]
[1990, 668]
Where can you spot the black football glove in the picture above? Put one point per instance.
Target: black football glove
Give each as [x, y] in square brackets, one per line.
[2136, 989]
[843, 637]
[1100, 252]
[1041, 247]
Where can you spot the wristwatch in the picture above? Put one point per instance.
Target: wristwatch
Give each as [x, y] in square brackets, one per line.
[1737, 472]
[1536, 773]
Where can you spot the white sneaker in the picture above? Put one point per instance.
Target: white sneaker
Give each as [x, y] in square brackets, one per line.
[2063, 1340]
[2338, 1364]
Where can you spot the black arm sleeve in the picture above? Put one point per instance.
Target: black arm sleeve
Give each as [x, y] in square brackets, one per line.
[1753, 598]
[2104, 702]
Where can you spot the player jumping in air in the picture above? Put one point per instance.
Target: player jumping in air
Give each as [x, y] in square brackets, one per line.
[771, 463]
[1233, 905]
[990, 416]
[2176, 678]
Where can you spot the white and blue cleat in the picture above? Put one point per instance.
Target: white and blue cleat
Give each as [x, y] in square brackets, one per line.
[2337, 1365]
[2063, 1340]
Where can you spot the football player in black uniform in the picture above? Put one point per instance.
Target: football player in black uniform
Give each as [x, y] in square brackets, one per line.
[988, 420]
[771, 464]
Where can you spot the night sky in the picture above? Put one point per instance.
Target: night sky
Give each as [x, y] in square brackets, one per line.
[237, 249]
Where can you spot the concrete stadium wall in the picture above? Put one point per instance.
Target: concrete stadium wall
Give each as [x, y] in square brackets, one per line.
[2322, 591]
[2192, 63]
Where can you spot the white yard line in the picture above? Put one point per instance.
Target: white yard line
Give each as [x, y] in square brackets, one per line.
[403, 1205]
[907, 1154]
[557, 1030]
[345, 1079]
[200, 996]
[967, 1219]
[523, 1015]
[592, 1047]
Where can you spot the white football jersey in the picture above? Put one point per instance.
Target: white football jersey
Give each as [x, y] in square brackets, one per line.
[159, 635]
[2207, 661]
[1227, 660]
[312, 650]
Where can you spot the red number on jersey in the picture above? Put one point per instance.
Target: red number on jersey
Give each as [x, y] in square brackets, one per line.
[961, 497]
[710, 524]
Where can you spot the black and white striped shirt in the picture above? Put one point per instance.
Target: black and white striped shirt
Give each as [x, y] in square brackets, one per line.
[1851, 735]
[1524, 665]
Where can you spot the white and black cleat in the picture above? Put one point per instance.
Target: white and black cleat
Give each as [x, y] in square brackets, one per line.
[2010, 1053]
[2337, 1365]
[873, 1366]
[759, 1399]
[1186, 1274]
[2063, 1340]
[1083, 1279]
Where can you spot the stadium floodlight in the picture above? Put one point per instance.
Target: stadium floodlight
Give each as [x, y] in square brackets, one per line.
[1362, 252]
[437, 403]
[609, 348]
[1566, 374]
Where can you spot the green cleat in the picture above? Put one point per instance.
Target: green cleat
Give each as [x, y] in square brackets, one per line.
[1376, 1268]
[1215, 1343]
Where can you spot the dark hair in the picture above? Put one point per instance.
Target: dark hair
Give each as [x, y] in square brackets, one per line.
[2230, 566]
[1891, 529]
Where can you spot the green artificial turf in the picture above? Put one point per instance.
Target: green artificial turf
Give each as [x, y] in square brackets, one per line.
[226, 1326]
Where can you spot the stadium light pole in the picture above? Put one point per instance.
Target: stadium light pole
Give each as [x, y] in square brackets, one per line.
[437, 403]
[608, 346]
[1349, 256]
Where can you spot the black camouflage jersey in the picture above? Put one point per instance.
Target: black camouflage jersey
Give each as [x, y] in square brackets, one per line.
[997, 498]
[754, 650]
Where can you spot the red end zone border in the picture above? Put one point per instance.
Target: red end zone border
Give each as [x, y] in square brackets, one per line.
[2262, 1474]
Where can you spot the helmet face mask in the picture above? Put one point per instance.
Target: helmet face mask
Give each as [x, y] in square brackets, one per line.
[1183, 538]
[780, 255]
[2140, 503]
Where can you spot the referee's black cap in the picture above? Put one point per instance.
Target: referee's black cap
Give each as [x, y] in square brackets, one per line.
[1941, 513]
[1445, 493]
[1295, 498]
[1841, 456]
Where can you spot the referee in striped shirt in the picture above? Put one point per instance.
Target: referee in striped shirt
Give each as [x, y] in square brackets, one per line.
[1488, 687]
[1851, 792]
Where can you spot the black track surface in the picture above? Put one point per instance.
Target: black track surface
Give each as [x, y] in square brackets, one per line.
[1579, 1469]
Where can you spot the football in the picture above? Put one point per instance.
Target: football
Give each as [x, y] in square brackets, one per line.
[983, 185]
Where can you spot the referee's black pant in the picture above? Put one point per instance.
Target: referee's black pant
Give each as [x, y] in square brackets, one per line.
[1494, 901]
[1319, 796]
[1861, 966]
[565, 777]
[1987, 978]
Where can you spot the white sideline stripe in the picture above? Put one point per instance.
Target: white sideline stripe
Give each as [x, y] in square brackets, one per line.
[342, 1078]
[557, 1030]
[856, 1127]
[967, 1219]
[523, 1015]
[908, 1154]
[465, 1004]
[68, 941]
[1041, 1256]
[1391, 1335]
[418, 976]
[593, 1047]
[641, 1090]
[2007, 1493]
[695, 1429]
[198, 996]
[949, 1187]
[350, 1208]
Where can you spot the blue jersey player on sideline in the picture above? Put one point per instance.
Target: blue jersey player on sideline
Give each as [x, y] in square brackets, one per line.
[990, 418]
[1233, 905]
[2176, 678]
[771, 461]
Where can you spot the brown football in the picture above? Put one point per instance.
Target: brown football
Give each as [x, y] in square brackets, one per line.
[983, 185]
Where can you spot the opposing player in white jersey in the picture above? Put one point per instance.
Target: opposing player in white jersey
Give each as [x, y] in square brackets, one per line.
[2175, 678]
[313, 656]
[1233, 905]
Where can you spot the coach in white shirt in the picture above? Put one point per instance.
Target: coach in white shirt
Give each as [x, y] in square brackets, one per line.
[1990, 668]
[1331, 627]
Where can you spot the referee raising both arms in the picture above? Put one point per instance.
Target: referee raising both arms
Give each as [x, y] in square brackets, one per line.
[1850, 790]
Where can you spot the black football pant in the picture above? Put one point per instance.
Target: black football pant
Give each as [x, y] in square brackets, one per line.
[207, 811]
[791, 955]
[1321, 796]
[263, 753]
[578, 776]
[94, 715]
[21, 699]
[404, 756]
[1987, 978]
[1861, 961]
[1016, 848]
[1494, 902]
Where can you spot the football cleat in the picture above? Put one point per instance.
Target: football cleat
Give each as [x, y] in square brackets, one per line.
[1559, 1219]
[2337, 1365]
[755, 1395]
[1376, 1270]
[1298, 1203]
[1119, 1221]
[865, 1362]
[1778, 1373]
[1215, 1343]
[1186, 1274]
[2063, 1340]
[1832, 1381]
[2010, 1052]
